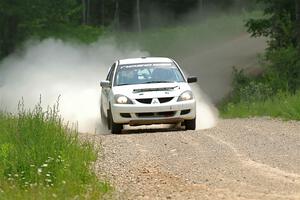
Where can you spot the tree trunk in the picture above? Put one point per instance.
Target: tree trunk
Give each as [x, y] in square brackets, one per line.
[297, 6]
[103, 12]
[83, 12]
[138, 16]
[117, 16]
[88, 12]
[201, 5]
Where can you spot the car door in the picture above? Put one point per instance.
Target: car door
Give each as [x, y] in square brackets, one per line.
[106, 91]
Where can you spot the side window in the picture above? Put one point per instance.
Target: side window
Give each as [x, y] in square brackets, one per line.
[111, 73]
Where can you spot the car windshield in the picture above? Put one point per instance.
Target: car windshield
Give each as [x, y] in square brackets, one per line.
[148, 73]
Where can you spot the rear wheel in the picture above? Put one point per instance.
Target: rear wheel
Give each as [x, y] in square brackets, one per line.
[190, 124]
[115, 128]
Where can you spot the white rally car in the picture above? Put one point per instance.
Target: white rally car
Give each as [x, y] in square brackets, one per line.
[146, 91]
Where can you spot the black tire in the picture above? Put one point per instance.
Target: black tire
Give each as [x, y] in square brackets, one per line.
[190, 124]
[115, 128]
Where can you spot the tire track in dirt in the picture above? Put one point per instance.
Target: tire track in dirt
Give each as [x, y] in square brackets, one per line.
[263, 169]
[221, 163]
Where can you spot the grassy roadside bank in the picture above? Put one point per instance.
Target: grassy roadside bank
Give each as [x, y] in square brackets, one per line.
[275, 92]
[284, 106]
[40, 158]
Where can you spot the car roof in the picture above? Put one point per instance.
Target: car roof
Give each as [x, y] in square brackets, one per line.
[144, 60]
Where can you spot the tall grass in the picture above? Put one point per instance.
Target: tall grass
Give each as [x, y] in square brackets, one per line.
[41, 158]
[284, 106]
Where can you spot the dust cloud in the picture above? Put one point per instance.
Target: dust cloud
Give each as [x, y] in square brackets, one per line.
[53, 68]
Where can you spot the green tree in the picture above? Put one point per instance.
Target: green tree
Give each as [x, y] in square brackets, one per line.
[279, 23]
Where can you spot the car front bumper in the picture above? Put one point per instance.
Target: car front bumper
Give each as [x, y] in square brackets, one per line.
[137, 114]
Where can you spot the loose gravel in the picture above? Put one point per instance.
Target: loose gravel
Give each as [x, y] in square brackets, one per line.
[238, 159]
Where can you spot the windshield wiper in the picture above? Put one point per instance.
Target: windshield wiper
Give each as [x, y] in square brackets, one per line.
[124, 84]
[159, 82]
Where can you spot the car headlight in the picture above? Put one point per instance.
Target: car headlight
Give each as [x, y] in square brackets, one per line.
[121, 99]
[185, 96]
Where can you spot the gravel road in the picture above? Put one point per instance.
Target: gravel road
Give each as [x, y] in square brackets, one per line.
[238, 159]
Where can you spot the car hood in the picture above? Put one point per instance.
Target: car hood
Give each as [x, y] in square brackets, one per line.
[153, 90]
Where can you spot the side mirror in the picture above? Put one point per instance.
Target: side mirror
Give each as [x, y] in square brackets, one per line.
[105, 84]
[192, 79]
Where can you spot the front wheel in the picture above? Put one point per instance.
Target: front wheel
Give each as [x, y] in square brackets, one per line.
[190, 124]
[115, 128]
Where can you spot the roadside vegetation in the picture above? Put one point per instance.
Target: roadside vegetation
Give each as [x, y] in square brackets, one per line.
[42, 158]
[87, 20]
[276, 90]
[284, 106]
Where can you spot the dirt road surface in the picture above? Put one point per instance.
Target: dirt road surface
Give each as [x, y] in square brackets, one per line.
[238, 159]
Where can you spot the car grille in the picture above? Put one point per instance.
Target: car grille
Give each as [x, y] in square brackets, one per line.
[161, 100]
[157, 114]
[144, 101]
[165, 100]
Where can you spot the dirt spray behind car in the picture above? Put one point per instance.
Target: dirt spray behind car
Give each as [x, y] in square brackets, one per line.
[53, 68]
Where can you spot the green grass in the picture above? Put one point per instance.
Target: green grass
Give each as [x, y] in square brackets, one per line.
[284, 106]
[40, 158]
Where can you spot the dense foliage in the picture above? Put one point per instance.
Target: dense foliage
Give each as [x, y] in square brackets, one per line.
[280, 23]
[281, 75]
[22, 19]
[79, 19]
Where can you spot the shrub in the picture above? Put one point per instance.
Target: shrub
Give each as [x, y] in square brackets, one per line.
[249, 89]
[274, 93]
[284, 69]
[255, 91]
